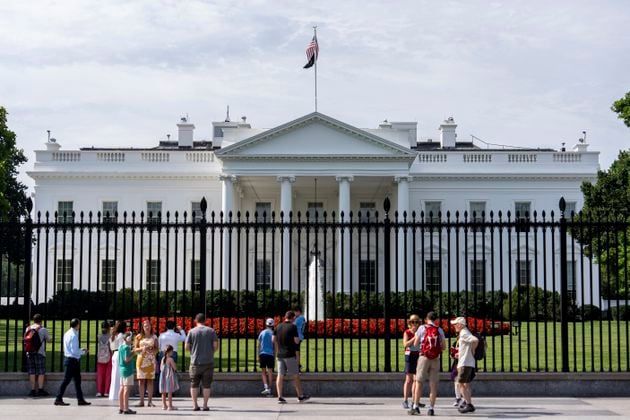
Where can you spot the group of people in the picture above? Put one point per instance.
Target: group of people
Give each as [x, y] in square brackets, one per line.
[123, 357]
[424, 345]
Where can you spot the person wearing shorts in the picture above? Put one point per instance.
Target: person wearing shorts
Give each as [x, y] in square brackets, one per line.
[265, 355]
[466, 362]
[202, 342]
[285, 340]
[428, 364]
[412, 353]
[36, 362]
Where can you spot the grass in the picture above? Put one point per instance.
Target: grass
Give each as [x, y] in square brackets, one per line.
[593, 346]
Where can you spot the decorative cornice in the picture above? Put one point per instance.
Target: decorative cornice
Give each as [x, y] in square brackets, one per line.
[348, 178]
[304, 158]
[228, 177]
[283, 178]
[398, 179]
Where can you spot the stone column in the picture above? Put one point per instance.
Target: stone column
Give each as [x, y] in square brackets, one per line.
[227, 206]
[405, 254]
[286, 205]
[343, 271]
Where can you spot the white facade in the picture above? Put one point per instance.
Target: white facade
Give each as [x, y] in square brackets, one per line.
[314, 158]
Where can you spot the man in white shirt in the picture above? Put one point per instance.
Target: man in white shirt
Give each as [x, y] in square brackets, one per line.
[172, 337]
[72, 369]
[466, 362]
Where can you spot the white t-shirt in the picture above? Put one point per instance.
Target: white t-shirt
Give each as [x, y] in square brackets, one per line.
[466, 355]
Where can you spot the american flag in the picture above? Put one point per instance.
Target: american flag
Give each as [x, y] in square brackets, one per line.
[312, 51]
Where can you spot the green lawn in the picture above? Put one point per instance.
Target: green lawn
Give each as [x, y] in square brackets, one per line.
[527, 351]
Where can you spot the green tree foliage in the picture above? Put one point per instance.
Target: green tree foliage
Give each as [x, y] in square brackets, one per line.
[622, 108]
[12, 192]
[608, 200]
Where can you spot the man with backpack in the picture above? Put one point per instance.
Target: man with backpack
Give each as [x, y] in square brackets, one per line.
[35, 338]
[432, 343]
[467, 356]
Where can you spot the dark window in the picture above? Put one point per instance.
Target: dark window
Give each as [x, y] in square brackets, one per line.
[154, 211]
[153, 275]
[367, 275]
[316, 209]
[263, 275]
[523, 273]
[263, 212]
[108, 275]
[195, 272]
[110, 208]
[433, 273]
[195, 211]
[64, 212]
[432, 211]
[368, 211]
[65, 271]
[522, 214]
[478, 275]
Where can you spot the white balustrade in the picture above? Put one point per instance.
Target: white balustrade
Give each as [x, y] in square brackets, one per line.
[69, 156]
[477, 157]
[110, 156]
[155, 156]
[200, 156]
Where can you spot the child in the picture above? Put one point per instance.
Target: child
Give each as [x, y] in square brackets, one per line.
[103, 362]
[127, 368]
[412, 354]
[266, 356]
[168, 378]
[300, 323]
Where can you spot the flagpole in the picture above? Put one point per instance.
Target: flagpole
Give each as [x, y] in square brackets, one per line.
[316, 53]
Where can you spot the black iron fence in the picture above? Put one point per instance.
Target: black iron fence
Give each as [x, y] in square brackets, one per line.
[549, 293]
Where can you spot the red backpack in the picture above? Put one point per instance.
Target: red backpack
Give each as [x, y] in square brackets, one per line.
[431, 342]
[32, 340]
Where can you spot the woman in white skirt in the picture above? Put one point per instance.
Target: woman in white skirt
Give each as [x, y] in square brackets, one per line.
[117, 339]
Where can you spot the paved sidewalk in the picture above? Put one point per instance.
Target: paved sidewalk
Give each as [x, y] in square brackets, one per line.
[320, 408]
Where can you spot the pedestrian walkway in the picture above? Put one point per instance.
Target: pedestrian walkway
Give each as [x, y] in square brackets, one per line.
[322, 408]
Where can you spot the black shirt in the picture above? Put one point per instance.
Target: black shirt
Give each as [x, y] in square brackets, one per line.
[285, 335]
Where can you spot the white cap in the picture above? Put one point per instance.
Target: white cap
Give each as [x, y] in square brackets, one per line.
[459, 320]
[269, 322]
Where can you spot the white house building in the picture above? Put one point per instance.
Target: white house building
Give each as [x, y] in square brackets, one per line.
[314, 163]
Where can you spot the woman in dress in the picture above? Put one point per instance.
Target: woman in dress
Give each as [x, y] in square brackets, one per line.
[168, 379]
[117, 338]
[146, 345]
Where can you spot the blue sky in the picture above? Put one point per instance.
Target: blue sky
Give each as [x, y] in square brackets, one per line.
[121, 73]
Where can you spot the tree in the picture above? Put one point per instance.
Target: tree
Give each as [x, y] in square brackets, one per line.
[622, 108]
[13, 200]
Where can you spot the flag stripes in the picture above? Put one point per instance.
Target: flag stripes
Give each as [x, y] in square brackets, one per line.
[312, 51]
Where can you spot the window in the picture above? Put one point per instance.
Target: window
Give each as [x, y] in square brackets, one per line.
[432, 211]
[195, 211]
[153, 275]
[477, 211]
[316, 209]
[108, 275]
[570, 210]
[110, 208]
[523, 273]
[263, 212]
[154, 211]
[65, 269]
[368, 211]
[367, 276]
[571, 283]
[195, 272]
[64, 212]
[262, 275]
[522, 213]
[433, 273]
[478, 275]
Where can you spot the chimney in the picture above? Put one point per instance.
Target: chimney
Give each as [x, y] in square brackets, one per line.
[185, 133]
[582, 145]
[448, 136]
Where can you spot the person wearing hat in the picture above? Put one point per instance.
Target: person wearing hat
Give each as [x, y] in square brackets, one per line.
[465, 362]
[266, 356]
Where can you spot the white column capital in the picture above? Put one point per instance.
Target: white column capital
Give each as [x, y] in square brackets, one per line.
[288, 178]
[340, 178]
[228, 177]
[404, 178]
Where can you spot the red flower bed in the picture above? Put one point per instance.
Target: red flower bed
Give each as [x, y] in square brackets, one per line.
[329, 328]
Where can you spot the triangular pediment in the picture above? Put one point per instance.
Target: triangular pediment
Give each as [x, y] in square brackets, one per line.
[315, 136]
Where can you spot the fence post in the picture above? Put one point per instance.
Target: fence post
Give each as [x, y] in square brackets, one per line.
[28, 253]
[564, 291]
[203, 229]
[387, 286]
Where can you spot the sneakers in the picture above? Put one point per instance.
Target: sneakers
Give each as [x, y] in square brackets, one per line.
[42, 393]
[421, 405]
[468, 408]
[457, 402]
[415, 411]
[281, 400]
[266, 391]
[405, 405]
[430, 412]
[33, 393]
[304, 397]
[128, 411]
[99, 395]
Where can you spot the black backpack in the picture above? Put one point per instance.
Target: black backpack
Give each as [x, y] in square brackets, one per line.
[480, 351]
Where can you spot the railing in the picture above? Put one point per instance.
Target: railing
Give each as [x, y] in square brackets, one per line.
[66, 156]
[110, 156]
[155, 156]
[535, 285]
